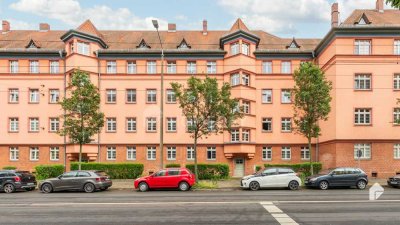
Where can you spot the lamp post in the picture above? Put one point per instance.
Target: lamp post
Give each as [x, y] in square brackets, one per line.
[155, 24]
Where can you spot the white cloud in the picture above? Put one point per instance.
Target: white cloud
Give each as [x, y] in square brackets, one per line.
[181, 17]
[346, 7]
[72, 13]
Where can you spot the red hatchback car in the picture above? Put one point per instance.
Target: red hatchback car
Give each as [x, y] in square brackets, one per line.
[180, 178]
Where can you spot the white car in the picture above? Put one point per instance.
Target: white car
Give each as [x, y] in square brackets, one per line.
[272, 178]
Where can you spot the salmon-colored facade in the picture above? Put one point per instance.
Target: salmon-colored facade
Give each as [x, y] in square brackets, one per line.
[360, 56]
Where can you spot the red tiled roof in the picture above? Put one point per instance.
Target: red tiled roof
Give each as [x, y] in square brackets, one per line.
[89, 28]
[376, 18]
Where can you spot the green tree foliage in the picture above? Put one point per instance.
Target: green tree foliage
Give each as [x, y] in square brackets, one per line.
[311, 101]
[210, 108]
[394, 3]
[83, 118]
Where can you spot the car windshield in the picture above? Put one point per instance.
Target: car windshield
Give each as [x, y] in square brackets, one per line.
[325, 172]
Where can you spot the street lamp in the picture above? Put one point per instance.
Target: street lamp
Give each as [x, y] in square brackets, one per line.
[155, 24]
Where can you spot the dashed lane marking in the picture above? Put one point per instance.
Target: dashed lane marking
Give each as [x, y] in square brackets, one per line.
[278, 214]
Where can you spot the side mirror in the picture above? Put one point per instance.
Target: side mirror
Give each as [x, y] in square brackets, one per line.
[59, 177]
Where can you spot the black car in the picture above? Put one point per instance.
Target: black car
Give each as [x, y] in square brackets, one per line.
[394, 181]
[339, 177]
[12, 180]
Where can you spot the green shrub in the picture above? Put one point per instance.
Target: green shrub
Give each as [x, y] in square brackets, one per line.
[173, 165]
[304, 168]
[114, 170]
[9, 168]
[210, 171]
[258, 168]
[48, 171]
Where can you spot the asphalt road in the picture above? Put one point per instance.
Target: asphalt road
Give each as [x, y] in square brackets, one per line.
[338, 206]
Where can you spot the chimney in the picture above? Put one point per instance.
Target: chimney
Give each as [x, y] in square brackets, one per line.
[379, 6]
[204, 27]
[335, 15]
[5, 26]
[44, 27]
[171, 27]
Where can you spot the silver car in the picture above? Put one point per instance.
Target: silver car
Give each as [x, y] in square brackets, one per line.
[88, 181]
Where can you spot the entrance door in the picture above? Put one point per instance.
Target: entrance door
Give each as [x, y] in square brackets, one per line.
[239, 167]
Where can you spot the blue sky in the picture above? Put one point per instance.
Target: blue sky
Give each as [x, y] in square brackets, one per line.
[285, 18]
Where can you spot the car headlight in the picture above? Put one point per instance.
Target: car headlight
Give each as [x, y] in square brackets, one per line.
[313, 179]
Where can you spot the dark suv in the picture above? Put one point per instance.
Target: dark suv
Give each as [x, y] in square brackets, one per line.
[12, 180]
[339, 177]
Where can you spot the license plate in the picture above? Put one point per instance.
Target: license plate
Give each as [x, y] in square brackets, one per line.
[393, 182]
[30, 183]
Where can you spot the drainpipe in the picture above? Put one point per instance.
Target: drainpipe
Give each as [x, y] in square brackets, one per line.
[98, 85]
[64, 112]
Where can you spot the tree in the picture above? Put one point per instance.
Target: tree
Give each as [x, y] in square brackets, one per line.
[208, 109]
[83, 118]
[394, 3]
[311, 101]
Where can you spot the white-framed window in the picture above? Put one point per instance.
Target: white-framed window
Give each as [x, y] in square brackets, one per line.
[34, 66]
[396, 151]
[305, 153]
[396, 82]
[171, 67]
[396, 116]
[267, 67]
[130, 67]
[286, 67]
[362, 116]
[362, 47]
[191, 67]
[83, 48]
[235, 79]
[211, 153]
[111, 124]
[190, 153]
[111, 67]
[34, 95]
[397, 47]
[245, 49]
[171, 124]
[211, 67]
[14, 124]
[54, 153]
[246, 79]
[13, 95]
[267, 124]
[190, 125]
[54, 124]
[131, 153]
[131, 124]
[286, 124]
[14, 154]
[362, 82]
[151, 153]
[286, 153]
[211, 124]
[34, 124]
[246, 107]
[246, 135]
[54, 66]
[171, 153]
[111, 95]
[131, 95]
[362, 151]
[235, 135]
[286, 96]
[151, 67]
[151, 124]
[235, 48]
[111, 153]
[266, 96]
[33, 153]
[14, 68]
[54, 95]
[267, 153]
[171, 96]
[151, 95]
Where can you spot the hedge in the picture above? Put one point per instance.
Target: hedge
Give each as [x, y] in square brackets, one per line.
[301, 167]
[210, 171]
[258, 168]
[114, 170]
[9, 168]
[173, 165]
[48, 171]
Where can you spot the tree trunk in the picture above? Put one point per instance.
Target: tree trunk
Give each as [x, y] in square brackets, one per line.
[196, 172]
[80, 156]
[311, 160]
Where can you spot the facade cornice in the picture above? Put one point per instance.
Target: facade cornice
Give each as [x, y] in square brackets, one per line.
[155, 53]
[31, 53]
[239, 34]
[284, 54]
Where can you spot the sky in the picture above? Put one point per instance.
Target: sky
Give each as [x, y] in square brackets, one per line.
[284, 18]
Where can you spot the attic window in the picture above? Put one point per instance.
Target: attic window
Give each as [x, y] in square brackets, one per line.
[183, 45]
[363, 20]
[143, 45]
[293, 45]
[32, 44]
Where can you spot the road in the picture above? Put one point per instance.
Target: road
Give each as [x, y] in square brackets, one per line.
[315, 207]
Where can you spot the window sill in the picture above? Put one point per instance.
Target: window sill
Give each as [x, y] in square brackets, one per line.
[151, 131]
[171, 131]
[13, 102]
[266, 131]
[130, 131]
[111, 131]
[130, 102]
[267, 160]
[111, 159]
[211, 159]
[54, 160]
[151, 159]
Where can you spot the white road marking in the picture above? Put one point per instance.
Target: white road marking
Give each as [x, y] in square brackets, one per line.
[278, 214]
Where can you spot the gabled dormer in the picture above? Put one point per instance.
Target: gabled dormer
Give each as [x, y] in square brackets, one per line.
[363, 20]
[33, 44]
[293, 44]
[184, 45]
[143, 45]
[239, 31]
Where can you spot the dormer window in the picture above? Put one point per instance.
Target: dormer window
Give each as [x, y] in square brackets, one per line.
[363, 20]
[32, 44]
[293, 45]
[83, 48]
[245, 49]
[235, 48]
[143, 45]
[184, 45]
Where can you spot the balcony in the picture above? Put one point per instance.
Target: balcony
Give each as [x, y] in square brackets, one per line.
[247, 149]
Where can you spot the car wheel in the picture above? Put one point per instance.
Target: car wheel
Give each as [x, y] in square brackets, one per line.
[143, 187]
[183, 186]
[293, 185]
[361, 184]
[323, 185]
[9, 188]
[47, 188]
[254, 186]
[89, 188]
